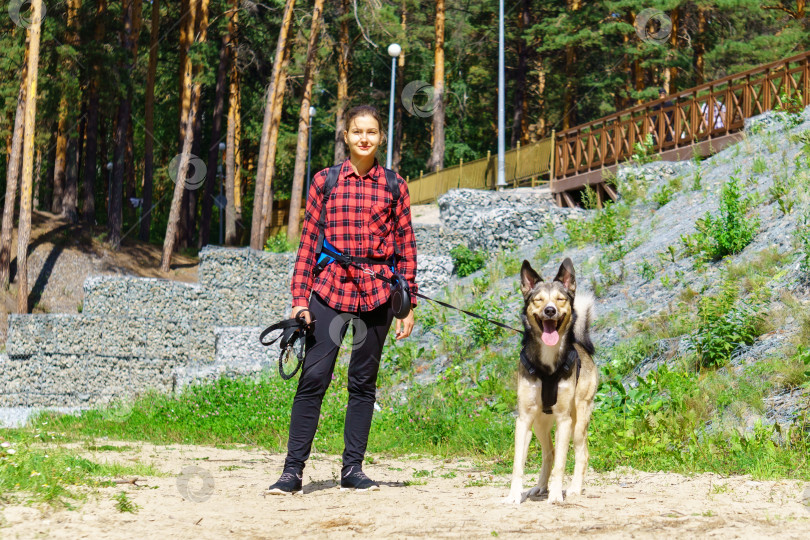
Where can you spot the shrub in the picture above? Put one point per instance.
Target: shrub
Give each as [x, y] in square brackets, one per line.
[780, 193]
[724, 324]
[759, 165]
[664, 195]
[627, 354]
[609, 224]
[803, 240]
[730, 231]
[644, 150]
[280, 244]
[789, 110]
[465, 261]
[646, 271]
[483, 332]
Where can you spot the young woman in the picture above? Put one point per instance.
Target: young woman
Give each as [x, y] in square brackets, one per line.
[361, 221]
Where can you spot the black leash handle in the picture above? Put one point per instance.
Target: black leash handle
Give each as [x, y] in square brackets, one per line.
[293, 330]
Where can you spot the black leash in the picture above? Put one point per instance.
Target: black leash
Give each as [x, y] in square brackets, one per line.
[293, 334]
[345, 259]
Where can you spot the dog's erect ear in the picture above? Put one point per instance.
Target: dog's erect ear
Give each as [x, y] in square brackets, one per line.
[528, 277]
[566, 275]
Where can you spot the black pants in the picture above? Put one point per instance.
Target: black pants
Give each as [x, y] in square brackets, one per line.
[370, 329]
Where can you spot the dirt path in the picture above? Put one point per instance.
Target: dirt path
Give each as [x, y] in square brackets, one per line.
[218, 495]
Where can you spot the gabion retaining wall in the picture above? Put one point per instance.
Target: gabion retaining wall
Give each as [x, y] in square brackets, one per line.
[493, 220]
[140, 333]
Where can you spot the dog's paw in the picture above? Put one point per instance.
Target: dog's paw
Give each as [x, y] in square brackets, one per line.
[573, 491]
[555, 497]
[537, 491]
[513, 498]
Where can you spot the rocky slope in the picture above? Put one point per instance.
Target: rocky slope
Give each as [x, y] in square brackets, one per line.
[650, 276]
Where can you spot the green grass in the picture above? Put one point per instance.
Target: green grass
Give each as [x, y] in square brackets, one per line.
[124, 504]
[280, 244]
[35, 467]
[674, 419]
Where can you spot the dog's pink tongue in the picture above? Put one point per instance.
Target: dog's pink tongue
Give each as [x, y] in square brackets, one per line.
[550, 335]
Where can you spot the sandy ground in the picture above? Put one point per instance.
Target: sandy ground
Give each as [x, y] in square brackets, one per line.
[217, 493]
[425, 214]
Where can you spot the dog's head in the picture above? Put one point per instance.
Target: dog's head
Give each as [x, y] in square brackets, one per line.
[549, 306]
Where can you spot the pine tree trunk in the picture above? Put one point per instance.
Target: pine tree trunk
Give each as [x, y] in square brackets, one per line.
[303, 125]
[91, 156]
[570, 82]
[436, 162]
[231, 192]
[216, 129]
[24, 230]
[12, 178]
[189, 218]
[114, 206]
[71, 193]
[130, 163]
[540, 92]
[186, 22]
[232, 162]
[179, 186]
[272, 146]
[61, 158]
[700, 47]
[71, 165]
[672, 71]
[149, 113]
[344, 52]
[519, 123]
[259, 210]
[186, 39]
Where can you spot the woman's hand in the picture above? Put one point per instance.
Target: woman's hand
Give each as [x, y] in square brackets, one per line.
[403, 327]
[298, 309]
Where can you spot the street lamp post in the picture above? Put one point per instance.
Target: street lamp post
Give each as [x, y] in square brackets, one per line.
[393, 51]
[501, 103]
[309, 152]
[221, 194]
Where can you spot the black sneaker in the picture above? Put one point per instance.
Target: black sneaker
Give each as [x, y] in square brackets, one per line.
[289, 484]
[354, 478]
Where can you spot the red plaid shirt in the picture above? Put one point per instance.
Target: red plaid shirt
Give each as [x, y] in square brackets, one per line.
[358, 223]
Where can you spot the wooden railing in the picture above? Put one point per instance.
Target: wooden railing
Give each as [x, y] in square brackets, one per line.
[706, 112]
[524, 165]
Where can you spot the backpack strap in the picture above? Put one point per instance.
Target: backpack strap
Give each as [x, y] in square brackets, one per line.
[392, 182]
[328, 186]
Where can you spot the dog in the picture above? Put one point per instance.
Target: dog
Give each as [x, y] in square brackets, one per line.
[557, 380]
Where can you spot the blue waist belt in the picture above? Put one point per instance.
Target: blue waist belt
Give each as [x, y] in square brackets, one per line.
[330, 253]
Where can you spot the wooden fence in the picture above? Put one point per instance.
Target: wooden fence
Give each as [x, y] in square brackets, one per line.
[714, 112]
[530, 165]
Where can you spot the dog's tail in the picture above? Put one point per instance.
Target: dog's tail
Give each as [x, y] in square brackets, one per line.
[584, 308]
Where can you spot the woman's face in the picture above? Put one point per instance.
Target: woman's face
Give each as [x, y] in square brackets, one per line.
[363, 136]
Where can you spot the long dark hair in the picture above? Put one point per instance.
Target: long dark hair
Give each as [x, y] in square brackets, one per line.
[366, 110]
